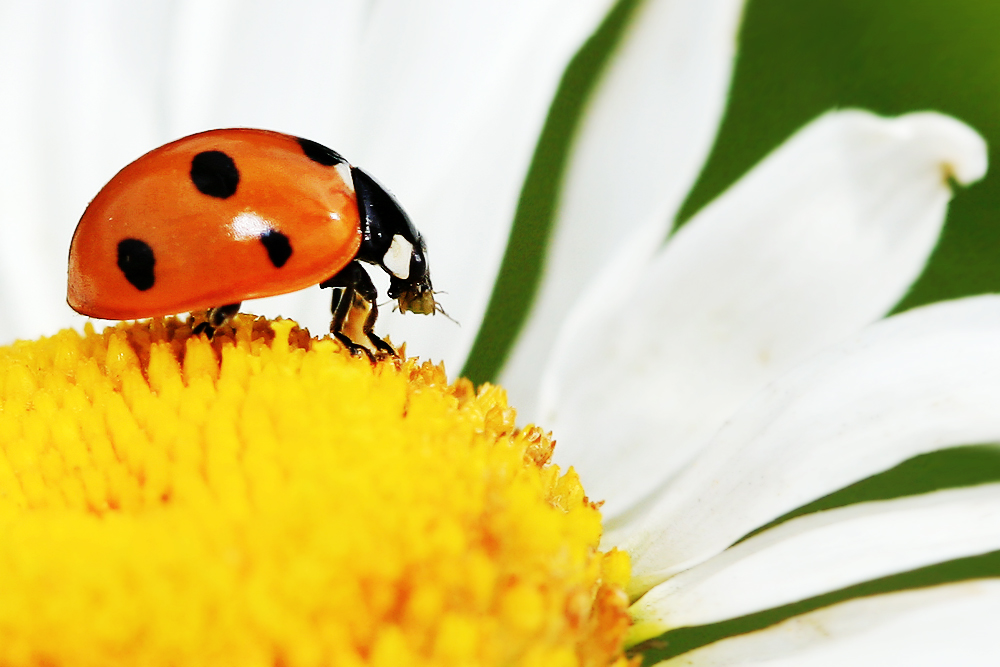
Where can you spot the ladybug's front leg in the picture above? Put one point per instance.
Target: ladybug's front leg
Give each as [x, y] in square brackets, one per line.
[354, 291]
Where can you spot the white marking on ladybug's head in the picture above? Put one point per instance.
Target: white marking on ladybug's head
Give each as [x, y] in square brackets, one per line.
[397, 258]
[248, 225]
[344, 170]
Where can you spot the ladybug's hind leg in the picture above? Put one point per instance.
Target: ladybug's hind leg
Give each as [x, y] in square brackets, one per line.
[354, 294]
[215, 318]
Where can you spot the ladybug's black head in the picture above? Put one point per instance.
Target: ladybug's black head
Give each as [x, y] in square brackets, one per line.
[414, 293]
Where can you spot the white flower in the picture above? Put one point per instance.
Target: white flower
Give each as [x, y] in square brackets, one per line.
[703, 387]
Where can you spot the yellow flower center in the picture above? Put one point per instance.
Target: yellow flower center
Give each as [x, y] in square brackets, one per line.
[266, 499]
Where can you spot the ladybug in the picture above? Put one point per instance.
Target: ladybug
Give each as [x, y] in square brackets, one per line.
[208, 221]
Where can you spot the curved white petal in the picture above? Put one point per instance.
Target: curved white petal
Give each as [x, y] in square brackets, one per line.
[945, 625]
[917, 382]
[643, 137]
[821, 238]
[823, 552]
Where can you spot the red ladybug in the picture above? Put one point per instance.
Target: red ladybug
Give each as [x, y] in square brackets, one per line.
[219, 217]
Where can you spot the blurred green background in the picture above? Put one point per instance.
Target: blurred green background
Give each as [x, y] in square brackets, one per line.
[798, 59]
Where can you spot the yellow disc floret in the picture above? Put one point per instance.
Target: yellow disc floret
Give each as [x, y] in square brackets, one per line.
[264, 499]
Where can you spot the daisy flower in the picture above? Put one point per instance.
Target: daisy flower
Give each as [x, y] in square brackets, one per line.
[702, 387]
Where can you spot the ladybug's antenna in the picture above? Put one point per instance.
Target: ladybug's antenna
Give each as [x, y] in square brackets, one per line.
[438, 308]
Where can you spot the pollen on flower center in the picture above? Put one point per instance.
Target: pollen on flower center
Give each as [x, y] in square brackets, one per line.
[266, 499]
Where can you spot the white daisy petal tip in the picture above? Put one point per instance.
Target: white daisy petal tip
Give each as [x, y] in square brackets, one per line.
[964, 151]
[960, 150]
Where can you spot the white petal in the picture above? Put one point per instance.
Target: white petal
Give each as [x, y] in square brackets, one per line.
[944, 625]
[916, 382]
[823, 552]
[818, 240]
[285, 67]
[643, 138]
[448, 116]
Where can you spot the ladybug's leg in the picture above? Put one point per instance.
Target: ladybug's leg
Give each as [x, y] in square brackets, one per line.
[369, 326]
[343, 302]
[215, 318]
[354, 291]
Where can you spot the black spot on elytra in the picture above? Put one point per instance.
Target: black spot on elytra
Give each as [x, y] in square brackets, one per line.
[320, 153]
[278, 247]
[214, 173]
[136, 260]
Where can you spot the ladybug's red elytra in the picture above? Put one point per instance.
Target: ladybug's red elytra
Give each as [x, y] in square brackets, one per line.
[210, 220]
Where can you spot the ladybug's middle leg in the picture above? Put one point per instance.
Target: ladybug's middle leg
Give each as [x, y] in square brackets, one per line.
[354, 290]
